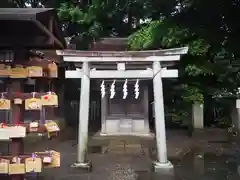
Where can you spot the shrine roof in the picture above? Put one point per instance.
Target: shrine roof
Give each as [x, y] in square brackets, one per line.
[34, 28]
[23, 13]
[147, 53]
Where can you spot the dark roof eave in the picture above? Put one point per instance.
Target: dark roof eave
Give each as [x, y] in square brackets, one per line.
[33, 14]
[21, 13]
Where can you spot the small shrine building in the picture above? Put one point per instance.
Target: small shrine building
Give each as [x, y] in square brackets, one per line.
[123, 78]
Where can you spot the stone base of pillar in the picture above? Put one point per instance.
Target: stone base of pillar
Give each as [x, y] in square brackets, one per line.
[163, 168]
[83, 166]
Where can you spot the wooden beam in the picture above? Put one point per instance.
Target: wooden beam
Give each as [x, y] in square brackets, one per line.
[48, 33]
[73, 74]
[169, 73]
[111, 74]
[24, 156]
[121, 59]
[121, 74]
[121, 66]
[31, 42]
[23, 40]
[23, 96]
[50, 27]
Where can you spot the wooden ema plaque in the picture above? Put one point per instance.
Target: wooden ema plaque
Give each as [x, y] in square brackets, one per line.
[16, 131]
[52, 70]
[51, 99]
[16, 167]
[4, 70]
[4, 133]
[5, 104]
[18, 72]
[33, 165]
[33, 103]
[33, 126]
[47, 160]
[51, 126]
[55, 160]
[7, 133]
[4, 165]
[35, 71]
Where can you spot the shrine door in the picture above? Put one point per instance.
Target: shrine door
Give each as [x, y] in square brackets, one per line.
[127, 116]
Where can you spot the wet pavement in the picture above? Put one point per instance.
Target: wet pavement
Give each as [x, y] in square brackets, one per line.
[138, 167]
[135, 164]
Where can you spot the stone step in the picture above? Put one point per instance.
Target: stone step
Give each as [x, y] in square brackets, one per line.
[123, 148]
[116, 143]
[116, 151]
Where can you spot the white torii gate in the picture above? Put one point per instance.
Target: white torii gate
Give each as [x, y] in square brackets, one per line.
[121, 57]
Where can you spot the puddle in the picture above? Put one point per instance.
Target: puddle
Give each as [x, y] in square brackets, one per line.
[199, 167]
[219, 142]
[137, 167]
[95, 149]
[208, 166]
[146, 175]
[143, 175]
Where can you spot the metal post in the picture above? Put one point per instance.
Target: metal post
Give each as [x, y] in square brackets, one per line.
[159, 114]
[83, 115]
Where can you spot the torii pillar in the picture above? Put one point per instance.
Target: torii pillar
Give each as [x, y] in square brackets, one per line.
[162, 165]
[83, 119]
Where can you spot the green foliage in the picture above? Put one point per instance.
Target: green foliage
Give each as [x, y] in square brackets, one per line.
[166, 34]
[204, 71]
[192, 94]
[79, 22]
[209, 28]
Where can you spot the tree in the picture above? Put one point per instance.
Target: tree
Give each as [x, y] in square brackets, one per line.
[209, 28]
